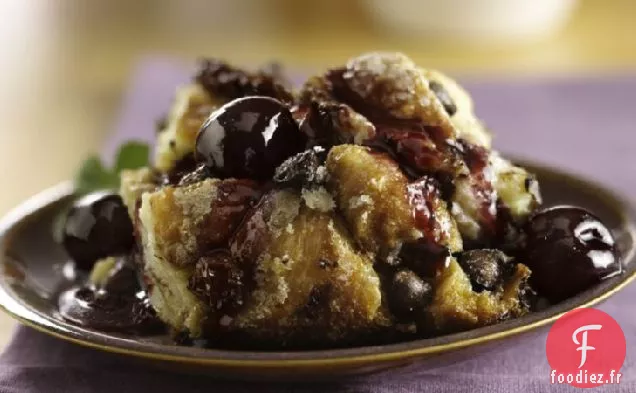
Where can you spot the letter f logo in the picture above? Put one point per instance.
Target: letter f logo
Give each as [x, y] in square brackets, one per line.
[583, 344]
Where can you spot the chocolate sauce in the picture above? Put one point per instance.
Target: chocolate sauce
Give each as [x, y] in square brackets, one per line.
[476, 159]
[234, 198]
[422, 194]
[413, 148]
[222, 283]
[118, 305]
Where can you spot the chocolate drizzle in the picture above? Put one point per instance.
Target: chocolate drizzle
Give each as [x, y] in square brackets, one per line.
[233, 199]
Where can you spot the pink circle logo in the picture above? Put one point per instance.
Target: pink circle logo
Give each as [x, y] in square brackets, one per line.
[586, 348]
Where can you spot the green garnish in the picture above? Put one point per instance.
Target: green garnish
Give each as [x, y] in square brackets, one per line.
[93, 175]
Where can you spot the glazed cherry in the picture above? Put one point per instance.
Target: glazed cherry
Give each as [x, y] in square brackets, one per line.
[248, 138]
[568, 250]
[97, 226]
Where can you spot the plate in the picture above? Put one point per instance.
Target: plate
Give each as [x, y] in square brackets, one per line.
[32, 272]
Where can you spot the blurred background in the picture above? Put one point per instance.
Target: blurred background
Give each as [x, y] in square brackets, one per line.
[65, 64]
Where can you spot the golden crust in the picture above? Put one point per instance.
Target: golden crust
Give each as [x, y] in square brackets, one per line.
[321, 289]
[372, 194]
[191, 107]
[192, 219]
[457, 307]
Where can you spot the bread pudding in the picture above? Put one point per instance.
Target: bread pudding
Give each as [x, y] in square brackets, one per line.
[366, 205]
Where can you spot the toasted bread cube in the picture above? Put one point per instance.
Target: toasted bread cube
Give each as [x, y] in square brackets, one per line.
[376, 200]
[516, 188]
[466, 124]
[191, 108]
[311, 282]
[201, 216]
[177, 225]
[457, 307]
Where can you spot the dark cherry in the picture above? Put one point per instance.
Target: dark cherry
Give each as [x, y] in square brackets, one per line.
[485, 268]
[409, 295]
[568, 250]
[97, 226]
[444, 97]
[248, 138]
[302, 169]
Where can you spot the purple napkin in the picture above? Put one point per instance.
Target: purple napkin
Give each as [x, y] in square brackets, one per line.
[584, 125]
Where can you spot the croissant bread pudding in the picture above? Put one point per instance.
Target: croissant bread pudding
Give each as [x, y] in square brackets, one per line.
[367, 206]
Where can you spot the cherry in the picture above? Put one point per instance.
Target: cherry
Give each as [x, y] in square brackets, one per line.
[248, 138]
[568, 250]
[97, 226]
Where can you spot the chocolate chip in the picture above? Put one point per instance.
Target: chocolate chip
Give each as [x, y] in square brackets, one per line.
[409, 295]
[485, 268]
[424, 257]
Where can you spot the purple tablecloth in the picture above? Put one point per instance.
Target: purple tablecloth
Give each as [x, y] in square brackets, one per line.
[584, 125]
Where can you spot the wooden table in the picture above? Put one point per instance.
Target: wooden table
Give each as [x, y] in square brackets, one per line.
[65, 63]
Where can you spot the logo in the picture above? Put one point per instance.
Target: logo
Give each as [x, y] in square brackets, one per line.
[586, 348]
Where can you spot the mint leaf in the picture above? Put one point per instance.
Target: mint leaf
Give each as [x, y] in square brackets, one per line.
[132, 155]
[93, 176]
